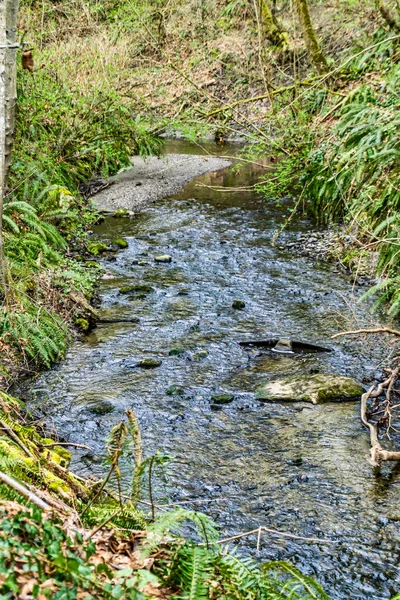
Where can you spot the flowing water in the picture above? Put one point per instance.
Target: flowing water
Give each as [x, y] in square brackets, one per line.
[294, 467]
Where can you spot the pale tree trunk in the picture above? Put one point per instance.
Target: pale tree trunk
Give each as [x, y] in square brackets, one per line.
[8, 98]
[314, 49]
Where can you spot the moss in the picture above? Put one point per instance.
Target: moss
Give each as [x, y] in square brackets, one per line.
[176, 351]
[238, 304]
[121, 212]
[83, 324]
[140, 288]
[149, 363]
[121, 243]
[222, 398]
[174, 390]
[96, 248]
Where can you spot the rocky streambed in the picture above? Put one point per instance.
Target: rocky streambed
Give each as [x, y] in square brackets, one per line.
[168, 347]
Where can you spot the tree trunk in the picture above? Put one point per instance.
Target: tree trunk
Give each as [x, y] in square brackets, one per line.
[314, 49]
[272, 28]
[8, 98]
[387, 15]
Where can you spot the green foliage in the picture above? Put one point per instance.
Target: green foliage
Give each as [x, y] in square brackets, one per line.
[69, 137]
[355, 175]
[37, 333]
[212, 571]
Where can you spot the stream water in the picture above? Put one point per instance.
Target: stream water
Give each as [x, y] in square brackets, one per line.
[294, 467]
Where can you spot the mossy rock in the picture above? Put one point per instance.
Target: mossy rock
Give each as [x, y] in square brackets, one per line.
[83, 324]
[201, 355]
[176, 351]
[139, 288]
[102, 408]
[238, 304]
[222, 398]
[96, 248]
[121, 213]
[175, 390]
[149, 363]
[316, 389]
[92, 264]
[121, 243]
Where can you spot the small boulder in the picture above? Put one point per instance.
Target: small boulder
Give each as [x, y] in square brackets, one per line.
[174, 390]
[164, 258]
[102, 408]
[149, 363]
[121, 243]
[122, 213]
[176, 352]
[238, 304]
[317, 389]
[96, 248]
[222, 398]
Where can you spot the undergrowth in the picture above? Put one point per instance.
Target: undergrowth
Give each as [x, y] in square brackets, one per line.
[92, 542]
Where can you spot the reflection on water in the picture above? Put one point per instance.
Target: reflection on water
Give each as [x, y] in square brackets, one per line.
[297, 468]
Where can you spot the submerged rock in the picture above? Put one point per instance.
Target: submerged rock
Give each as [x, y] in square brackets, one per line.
[149, 363]
[316, 389]
[164, 258]
[102, 408]
[138, 288]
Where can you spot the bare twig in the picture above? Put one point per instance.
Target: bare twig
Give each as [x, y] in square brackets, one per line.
[360, 331]
[66, 444]
[275, 532]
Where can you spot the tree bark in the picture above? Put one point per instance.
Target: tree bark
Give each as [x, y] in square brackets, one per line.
[387, 15]
[8, 98]
[273, 30]
[314, 49]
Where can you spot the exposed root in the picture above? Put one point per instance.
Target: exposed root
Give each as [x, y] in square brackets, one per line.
[378, 454]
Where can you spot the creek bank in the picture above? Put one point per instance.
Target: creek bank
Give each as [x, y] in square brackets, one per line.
[339, 246]
[317, 389]
[153, 178]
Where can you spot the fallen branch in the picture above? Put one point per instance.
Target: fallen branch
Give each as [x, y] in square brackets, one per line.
[377, 454]
[360, 331]
[274, 532]
[65, 444]
[287, 88]
[18, 487]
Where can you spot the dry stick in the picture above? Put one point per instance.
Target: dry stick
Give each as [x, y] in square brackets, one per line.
[66, 444]
[360, 331]
[275, 532]
[16, 439]
[99, 491]
[24, 491]
[151, 486]
[137, 453]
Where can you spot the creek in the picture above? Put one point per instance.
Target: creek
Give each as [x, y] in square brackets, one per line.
[293, 467]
